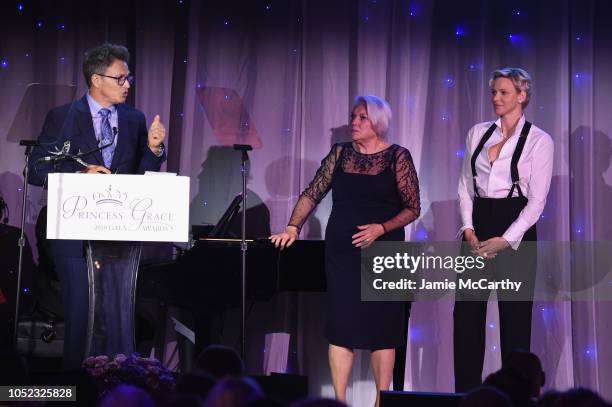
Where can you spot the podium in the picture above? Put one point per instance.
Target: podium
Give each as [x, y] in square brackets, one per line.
[113, 214]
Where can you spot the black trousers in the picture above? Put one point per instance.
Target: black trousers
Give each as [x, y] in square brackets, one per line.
[491, 218]
[469, 337]
[72, 272]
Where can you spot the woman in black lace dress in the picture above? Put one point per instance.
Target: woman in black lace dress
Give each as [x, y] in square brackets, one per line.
[375, 193]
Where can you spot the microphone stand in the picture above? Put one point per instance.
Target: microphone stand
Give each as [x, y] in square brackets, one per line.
[29, 144]
[244, 148]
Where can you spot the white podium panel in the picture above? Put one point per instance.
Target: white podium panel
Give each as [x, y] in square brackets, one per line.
[152, 208]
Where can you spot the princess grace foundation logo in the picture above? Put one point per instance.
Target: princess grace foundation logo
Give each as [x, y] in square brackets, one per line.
[114, 210]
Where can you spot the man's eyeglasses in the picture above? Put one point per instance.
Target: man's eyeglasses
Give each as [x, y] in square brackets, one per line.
[120, 79]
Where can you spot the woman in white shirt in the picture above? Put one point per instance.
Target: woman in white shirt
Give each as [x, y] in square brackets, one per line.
[502, 191]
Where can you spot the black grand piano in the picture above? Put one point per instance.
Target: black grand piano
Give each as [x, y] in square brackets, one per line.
[206, 278]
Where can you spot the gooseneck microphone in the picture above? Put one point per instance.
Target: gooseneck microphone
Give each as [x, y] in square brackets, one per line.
[64, 153]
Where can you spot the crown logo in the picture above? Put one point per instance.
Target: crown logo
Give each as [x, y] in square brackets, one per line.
[110, 196]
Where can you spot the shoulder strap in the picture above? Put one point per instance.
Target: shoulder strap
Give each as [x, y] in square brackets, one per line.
[515, 159]
[476, 152]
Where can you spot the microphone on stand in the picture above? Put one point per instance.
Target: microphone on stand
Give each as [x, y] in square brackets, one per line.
[61, 155]
[64, 153]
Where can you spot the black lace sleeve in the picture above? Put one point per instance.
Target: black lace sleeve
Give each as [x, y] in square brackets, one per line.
[408, 189]
[318, 188]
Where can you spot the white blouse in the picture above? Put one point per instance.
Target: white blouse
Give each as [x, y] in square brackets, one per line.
[495, 181]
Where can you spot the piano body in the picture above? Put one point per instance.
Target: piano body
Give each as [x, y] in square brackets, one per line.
[205, 280]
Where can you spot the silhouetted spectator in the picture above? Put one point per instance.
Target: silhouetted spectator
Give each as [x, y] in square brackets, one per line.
[529, 365]
[234, 392]
[511, 382]
[14, 369]
[318, 402]
[86, 391]
[127, 396]
[548, 399]
[220, 361]
[185, 400]
[195, 382]
[579, 398]
[266, 402]
[485, 396]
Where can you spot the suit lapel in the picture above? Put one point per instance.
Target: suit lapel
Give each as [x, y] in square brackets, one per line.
[88, 140]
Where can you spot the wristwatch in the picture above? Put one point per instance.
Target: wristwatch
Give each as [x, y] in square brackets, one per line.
[160, 151]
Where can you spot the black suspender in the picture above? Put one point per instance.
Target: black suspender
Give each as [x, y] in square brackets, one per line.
[476, 153]
[515, 157]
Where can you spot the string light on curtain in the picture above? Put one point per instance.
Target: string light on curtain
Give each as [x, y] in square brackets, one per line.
[4, 64]
[414, 9]
[19, 7]
[459, 31]
[421, 235]
[415, 333]
[39, 24]
[449, 81]
[460, 153]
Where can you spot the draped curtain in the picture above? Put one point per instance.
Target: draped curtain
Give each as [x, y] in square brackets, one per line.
[281, 75]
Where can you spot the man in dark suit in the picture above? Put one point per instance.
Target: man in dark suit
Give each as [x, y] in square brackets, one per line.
[101, 117]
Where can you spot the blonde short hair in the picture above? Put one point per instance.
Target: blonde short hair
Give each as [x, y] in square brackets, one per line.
[519, 77]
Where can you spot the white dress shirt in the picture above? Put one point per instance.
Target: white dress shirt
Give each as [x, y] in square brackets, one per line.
[495, 181]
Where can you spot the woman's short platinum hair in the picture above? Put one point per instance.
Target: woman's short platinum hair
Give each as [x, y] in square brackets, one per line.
[379, 112]
[519, 77]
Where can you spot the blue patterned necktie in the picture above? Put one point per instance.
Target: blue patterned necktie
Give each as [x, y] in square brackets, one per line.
[106, 137]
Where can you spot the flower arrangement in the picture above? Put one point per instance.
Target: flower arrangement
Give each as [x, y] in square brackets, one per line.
[146, 373]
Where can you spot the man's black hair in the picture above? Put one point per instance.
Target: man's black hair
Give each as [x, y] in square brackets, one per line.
[99, 58]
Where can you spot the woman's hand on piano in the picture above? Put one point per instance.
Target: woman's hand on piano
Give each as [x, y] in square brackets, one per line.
[285, 239]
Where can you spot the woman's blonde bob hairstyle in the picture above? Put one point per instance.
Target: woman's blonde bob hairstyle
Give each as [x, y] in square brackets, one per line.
[519, 77]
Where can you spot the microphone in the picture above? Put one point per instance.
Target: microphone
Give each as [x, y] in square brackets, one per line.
[61, 155]
[244, 148]
[64, 153]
